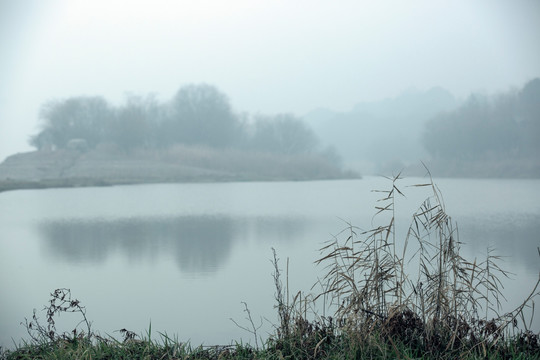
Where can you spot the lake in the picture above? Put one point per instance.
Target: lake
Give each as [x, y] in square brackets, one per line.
[182, 257]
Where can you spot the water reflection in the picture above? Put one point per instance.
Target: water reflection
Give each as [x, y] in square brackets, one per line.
[198, 244]
[513, 238]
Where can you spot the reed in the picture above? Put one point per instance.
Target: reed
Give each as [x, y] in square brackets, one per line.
[431, 300]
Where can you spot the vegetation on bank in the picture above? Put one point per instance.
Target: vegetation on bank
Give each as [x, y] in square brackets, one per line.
[488, 136]
[109, 165]
[390, 297]
[198, 115]
[194, 137]
[484, 135]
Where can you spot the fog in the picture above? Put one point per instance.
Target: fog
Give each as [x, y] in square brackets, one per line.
[268, 57]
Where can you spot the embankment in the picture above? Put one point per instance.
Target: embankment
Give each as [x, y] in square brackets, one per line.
[103, 167]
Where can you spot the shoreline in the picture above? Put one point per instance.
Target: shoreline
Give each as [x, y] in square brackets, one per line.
[13, 185]
[100, 167]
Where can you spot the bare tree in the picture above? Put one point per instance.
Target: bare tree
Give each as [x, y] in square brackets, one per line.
[285, 134]
[78, 117]
[201, 114]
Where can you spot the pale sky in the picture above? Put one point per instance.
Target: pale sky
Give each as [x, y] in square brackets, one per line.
[267, 56]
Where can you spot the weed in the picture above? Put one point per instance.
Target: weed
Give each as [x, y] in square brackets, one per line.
[252, 329]
[60, 302]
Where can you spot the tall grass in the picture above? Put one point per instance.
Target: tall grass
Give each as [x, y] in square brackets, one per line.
[430, 298]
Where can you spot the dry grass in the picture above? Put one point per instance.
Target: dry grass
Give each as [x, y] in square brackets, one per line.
[428, 298]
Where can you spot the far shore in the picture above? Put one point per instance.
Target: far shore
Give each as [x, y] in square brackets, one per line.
[10, 185]
[104, 167]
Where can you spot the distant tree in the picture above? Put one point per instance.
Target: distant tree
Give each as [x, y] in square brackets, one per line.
[331, 154]
[200, 114]
[529, 118]
[196, 115]
[529, 102]
[135, 123]
[74, 118]
[482, 128]
[284, 133]
[42, 140]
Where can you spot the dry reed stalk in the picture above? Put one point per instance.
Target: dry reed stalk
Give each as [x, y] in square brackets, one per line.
[370, 287]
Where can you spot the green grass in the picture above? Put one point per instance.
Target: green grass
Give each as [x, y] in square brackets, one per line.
[344, 346]
[446, 308]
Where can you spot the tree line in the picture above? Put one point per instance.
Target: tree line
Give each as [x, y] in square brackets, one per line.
[196, 115]
[489, 128]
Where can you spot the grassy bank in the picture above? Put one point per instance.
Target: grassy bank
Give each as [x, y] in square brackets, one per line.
[107, 165]
[339, 347]
[8, 185]
[383, 305]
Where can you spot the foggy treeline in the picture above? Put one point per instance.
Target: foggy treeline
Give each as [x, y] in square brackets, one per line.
[497, 135]
[198, 115]
[382, 136]
[483, 135]
[504, 126]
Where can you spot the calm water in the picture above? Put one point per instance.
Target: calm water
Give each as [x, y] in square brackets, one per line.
[184, 256]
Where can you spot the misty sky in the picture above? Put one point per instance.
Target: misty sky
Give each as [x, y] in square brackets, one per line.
[268, 56]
